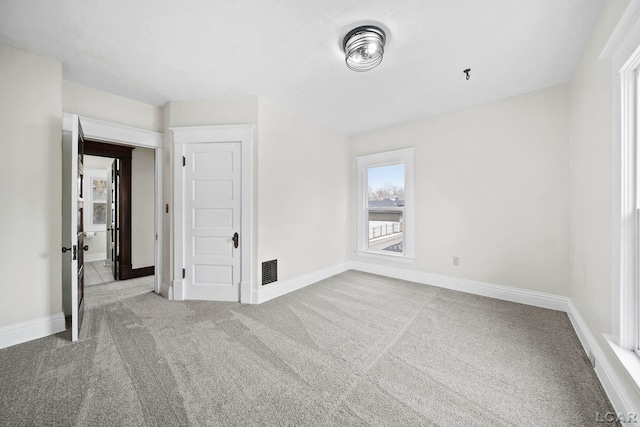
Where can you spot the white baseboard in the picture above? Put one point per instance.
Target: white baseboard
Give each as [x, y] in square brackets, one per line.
[246, 296]
[178, 290]
[31, 330]
[273, 290]
[522, 296]
[609, 380]
[166, 291]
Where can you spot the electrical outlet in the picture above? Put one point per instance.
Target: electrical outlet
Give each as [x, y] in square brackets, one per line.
[592, 359]
[456, 260]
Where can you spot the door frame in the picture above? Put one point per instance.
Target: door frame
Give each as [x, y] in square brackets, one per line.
[112, 133]
[213, 134]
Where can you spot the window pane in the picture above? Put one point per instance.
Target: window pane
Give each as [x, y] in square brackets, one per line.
[99, 190]
[386, 186]
[386, 192]
[99, 213]
[386, 230]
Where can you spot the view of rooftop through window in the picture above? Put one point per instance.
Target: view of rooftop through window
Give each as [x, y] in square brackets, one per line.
[385, 188]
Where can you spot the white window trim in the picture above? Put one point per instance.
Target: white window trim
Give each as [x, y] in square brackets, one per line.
[405, 156]
[625, 210]
[623, 49]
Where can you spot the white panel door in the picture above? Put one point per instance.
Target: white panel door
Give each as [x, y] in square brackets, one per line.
[212, 221]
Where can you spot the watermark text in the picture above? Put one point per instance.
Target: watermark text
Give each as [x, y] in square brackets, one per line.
[613, 417]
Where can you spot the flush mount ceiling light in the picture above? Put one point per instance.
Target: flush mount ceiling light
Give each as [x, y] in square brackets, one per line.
[364, 47]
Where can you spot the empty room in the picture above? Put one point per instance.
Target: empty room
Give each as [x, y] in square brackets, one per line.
[320, 213]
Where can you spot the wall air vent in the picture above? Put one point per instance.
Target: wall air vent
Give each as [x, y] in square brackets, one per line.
[269, 272]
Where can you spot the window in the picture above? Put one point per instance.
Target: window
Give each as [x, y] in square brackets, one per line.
[385, 205]
[635, 185]
[622, 50]
[95, 200]
[629, 214]
[385, 208]
[626, 215]
[99, 201]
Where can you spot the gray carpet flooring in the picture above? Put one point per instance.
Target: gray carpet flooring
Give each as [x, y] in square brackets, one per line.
[355, 349]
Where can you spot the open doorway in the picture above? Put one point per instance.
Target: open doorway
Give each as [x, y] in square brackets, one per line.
[101, 132]
[119, 212]
[100, 204]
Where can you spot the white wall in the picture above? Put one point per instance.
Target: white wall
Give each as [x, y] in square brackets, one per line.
[491, 187]
[96, 104]
[304, 194]
[142, 207]
[221, 111]
[591, 147]
[30, 197]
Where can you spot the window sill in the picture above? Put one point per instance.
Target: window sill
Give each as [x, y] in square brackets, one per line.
[394, 258]
[628, 358]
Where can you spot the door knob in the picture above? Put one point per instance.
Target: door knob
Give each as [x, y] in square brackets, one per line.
[75, 251]
[85, 247]
[235, 240]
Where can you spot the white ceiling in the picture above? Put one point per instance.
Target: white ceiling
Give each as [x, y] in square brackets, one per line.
[289, 51]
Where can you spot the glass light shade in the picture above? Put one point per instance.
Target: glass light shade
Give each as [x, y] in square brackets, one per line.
[364, 48]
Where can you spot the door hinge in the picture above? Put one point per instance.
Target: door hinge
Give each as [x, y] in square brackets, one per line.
[184, 161]
[75, 252]
[166, 208]
[184, 273]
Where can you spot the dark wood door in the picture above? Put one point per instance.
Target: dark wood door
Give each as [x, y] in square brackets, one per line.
[81, 248]
[115, 253]
[109, 222]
